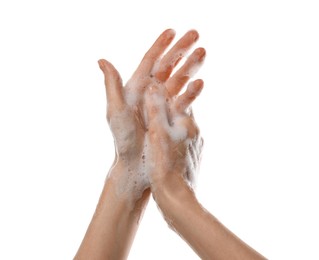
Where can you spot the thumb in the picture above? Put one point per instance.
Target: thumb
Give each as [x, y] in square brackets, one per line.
[113, 83]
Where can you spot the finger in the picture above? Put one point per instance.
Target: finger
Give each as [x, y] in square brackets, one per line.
[174, 55]
[191, 66]
[113, 83]
[186, 99]
[184, 127]
[154, 53]
[200, 145]
[156, 111]
[193, 161]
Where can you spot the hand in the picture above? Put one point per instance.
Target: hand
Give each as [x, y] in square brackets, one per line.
[161, 149]
[126, 104]
[175, 143]
[125, 192]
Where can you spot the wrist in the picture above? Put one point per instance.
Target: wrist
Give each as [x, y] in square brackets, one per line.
[172, 191]
[127, 184]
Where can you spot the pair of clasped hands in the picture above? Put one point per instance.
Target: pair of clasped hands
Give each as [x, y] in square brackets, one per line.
[153, 128]
[157, 151]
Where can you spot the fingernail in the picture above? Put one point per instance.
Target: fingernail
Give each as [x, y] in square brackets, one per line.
[101, 63]
[199, 85]
[169, 35]
[194, 34]
[201, 52]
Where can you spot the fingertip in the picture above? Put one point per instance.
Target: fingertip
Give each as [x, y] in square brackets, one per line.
[110, 72]
[195, 87]
[170, 32]
[102, 64]
[194, 34]
[199, 83]
[167, 37]
[200, 52]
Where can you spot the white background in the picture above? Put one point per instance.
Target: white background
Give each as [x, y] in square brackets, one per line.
[258, 114]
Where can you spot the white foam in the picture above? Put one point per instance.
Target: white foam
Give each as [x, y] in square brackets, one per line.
[178, 132]
[136, 178]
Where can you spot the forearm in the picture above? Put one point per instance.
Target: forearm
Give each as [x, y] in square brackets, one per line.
[201, 230]
[113, 226]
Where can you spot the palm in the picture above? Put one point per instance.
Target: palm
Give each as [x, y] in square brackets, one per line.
[126, 105]
[128, 128]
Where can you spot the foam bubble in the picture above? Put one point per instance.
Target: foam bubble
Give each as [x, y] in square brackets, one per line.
[178, 132]
[136, 178]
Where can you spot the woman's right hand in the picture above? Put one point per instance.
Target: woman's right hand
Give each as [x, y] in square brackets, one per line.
[175, 146]
[174, 141]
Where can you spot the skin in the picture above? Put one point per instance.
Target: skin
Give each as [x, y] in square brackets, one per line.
[157, 150]
[126, 193]
[173, 194]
